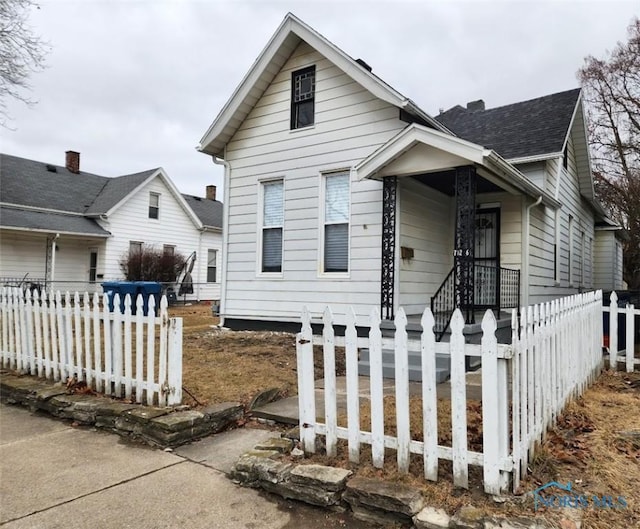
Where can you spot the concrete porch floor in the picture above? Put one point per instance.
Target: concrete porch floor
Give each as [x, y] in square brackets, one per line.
[286, 410]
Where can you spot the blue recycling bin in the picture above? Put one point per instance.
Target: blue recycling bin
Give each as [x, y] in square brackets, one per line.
[133, 288]
[148, 288]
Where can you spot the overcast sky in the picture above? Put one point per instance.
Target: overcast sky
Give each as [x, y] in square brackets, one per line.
[134, 85]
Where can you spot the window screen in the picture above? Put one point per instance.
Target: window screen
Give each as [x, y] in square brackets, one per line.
[336, 223]
[272, 223]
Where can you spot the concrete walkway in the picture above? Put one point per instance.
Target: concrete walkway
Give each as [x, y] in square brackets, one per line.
[286, 410]
[54, 476]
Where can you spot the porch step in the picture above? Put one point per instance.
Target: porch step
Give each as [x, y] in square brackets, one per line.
[415, 366]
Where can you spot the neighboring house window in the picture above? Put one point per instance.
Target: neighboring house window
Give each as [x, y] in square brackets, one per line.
[135, 247]
[272, 225]
[303, 91]
[336, 223]
[93, 265]
[570, 250]
[168, 250]
[211, 265]
[154, 205]
[565, 156]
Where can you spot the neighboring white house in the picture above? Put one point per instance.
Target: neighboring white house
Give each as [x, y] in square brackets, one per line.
[340, 191]
[66, 229]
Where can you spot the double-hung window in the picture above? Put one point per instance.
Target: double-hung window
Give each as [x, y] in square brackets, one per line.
[272, 225]
[303, 92]
[336, 222]
[212, 265]
[154, 205]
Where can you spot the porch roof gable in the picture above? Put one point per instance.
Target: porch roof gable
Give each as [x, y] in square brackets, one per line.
[444, 152]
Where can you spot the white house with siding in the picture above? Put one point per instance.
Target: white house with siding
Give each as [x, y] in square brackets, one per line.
[63, 228]
[340, 191]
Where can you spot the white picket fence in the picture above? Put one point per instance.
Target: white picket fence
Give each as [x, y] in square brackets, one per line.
[556, 351]
[629, 313]
[116, 353]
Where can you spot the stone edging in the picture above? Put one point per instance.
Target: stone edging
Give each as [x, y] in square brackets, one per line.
[372, 500]
[161, 427]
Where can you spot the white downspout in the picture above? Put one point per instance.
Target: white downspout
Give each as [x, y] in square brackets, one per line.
[225, 227]
[54, 246]
[199, 265]
[527, 251]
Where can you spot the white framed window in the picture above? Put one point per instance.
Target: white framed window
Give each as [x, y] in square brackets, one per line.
[570, 256]
[335, 222]
[212, 266]
[303, 91]
[93, 265]
[135, 247]
[154, 205]
[272, 225]
[582, 257]
[556, 248]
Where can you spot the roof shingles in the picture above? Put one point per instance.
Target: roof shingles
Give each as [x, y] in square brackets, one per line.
[528, 128]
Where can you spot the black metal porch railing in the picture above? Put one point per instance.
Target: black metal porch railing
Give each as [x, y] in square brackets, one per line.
[443, 304]
[496, 289]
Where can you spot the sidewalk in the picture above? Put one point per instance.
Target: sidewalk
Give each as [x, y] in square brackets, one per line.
[56, 476]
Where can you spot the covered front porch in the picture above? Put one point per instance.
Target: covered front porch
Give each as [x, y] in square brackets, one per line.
[452, 226]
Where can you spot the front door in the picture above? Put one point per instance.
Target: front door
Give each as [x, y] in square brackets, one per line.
[487, 258]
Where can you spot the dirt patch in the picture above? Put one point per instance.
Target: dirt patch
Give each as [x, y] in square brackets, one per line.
[221, 366]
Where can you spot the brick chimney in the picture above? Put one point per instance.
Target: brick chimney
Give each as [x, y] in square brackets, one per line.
[474, 106]
[72, 162]
[211, 193]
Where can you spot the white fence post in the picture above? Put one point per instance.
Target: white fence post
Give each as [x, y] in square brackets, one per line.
[630, 345]
[306, 384]
[128, 370]
[162, 367]
[175, 361]
[150, 351]
[613, 332]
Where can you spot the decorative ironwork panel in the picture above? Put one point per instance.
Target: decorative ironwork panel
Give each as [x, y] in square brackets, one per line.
[389, 191]
[464, 251]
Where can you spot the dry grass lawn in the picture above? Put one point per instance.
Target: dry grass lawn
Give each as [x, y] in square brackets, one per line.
[588, 447]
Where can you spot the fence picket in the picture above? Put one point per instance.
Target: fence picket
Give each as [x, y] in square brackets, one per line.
[523, 350]
[77, 328]
[97, 345]
[46, 337]
[128, 370]
[330, 406]
[353, 391]
[376, 388]
[29, 331]
[37, 324]
[162, 367]
[116, 346]
[402, 391]
[108, 354]
[429, 396]
[139, 347]
[86, 315]
[459, 402]
[19, 325]
[68, 334]
[630, 353]
[150, 352]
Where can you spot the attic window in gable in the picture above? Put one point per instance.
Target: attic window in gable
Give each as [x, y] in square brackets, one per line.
[154, 205]
[303, 91]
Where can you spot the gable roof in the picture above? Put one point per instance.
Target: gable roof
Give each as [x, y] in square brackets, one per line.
[208, 211]
[37, 195]
[277, 51]
[529, 128]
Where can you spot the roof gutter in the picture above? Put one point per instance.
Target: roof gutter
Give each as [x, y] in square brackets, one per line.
[519, 180]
